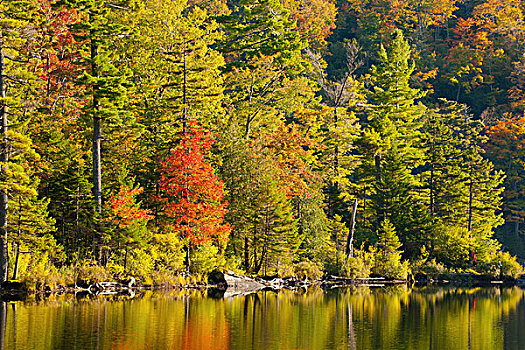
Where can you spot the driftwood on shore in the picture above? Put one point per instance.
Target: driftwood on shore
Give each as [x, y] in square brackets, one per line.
[107, 287]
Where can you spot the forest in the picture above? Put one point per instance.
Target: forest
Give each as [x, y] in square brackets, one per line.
[163, 139]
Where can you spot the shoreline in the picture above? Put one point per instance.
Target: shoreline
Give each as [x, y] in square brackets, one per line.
[242, 285]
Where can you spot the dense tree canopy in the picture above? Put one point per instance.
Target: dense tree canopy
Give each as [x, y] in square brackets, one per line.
[351, 137]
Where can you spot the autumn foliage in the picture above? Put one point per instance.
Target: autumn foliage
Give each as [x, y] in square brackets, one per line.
[192, 194]
[125, 210]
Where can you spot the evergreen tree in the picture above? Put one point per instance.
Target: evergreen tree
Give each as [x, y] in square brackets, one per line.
[505, 149]
[391, 135]
[105, 78]
[261, 27]
[264, 227]
[388, 258]
[17, 82]
[177, 78]
[462, 188]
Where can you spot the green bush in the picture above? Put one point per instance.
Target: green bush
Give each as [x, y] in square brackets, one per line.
[164, 277]
[308, 269]
[285, 271]
[205, 259]
[90, 272]
[392, 268]
[140, 265]
[41, 273]
[168, 251]
[432, 269]
[452, 246]
[360, 265]
[509, 265]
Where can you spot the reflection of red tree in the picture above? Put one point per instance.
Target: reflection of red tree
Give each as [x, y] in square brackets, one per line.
[210, 333]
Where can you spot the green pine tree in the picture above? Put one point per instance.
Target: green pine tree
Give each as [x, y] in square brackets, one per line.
[177, 77]
[17, 84]
[389, 142]
[261, 27]
[388, 258]
[106, 80]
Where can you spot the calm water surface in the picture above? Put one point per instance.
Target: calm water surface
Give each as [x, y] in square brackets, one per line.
[359, 318]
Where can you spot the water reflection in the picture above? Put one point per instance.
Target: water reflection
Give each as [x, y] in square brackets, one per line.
[359, 318]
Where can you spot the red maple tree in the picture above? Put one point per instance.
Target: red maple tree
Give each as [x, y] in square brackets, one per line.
[125, 210]
[192, 194]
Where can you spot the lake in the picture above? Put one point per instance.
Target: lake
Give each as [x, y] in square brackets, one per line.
[354, 318]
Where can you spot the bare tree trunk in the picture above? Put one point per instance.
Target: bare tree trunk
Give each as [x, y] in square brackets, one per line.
[97, 140]
[469, 225]
[246, 254]
[17, 243]
[17, 260]
[184, 91]
[4, 159]
[188, 248]
[349, 242]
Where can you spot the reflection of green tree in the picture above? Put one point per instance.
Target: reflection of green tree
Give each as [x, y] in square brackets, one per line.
[357, 318]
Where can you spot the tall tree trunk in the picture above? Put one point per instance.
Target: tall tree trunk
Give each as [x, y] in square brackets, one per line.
[517, 223]
[188, 248]
[259, 264]
[126, 257]
[432, 200]
[17, 243]
[336, 120]
[350, 240]
[17, 261]
[380, 205]
[246, 254]
[4, 159]
[97, 140]
[469, 225]
[184, 91]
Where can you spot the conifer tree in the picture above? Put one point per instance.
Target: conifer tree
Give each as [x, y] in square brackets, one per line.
[339, 129]
[391, 134]
[31, 224]
[261, 27]
[105, 78]
[17, 81]
[177, 77]
[463, 188]
[265, 226]
[388, 259]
